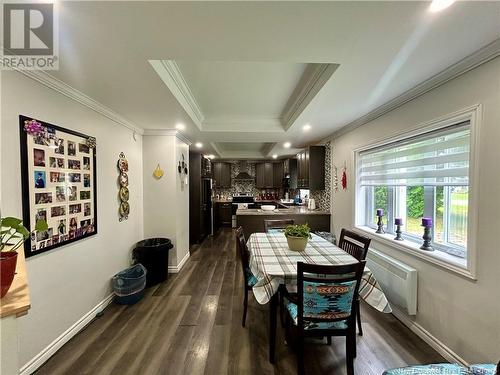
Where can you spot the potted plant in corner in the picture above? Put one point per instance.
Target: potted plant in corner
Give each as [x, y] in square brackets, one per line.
[297, 236]
[12, 235]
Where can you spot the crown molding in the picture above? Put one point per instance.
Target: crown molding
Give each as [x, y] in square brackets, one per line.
[63, 88]
[312, 81]
[216, 148]
[167, 133]
[483, 55]
[171, 75]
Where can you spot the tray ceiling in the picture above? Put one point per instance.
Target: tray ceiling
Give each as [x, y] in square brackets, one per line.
[243, 96]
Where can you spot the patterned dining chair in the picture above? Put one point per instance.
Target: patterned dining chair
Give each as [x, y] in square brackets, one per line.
[357, 246]
[270, 225]
[324, 306]
[249, 279]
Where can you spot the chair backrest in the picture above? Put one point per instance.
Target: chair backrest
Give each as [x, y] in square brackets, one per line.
[241, 246]
[327, 293]
[277, 224]
[354, 244]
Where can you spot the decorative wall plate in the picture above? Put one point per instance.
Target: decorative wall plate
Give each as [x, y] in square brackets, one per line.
[124, 209]
[123, 165]
[123, 179]
[124, 194]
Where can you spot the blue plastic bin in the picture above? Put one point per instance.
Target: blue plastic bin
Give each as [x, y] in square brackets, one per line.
[129, 284]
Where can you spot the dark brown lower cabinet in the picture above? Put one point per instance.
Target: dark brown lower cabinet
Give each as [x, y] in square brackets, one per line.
[222, 215]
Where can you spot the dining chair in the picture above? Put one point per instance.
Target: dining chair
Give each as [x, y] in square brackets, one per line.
[357, 246]
[277, 224]
[249, 279]
[325, 305]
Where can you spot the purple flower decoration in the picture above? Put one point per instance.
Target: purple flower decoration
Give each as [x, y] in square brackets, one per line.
[33, 127]
[91, 142]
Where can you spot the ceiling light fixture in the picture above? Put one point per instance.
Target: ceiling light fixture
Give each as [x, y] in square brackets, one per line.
[180, 126]
[211, 156]
[438, 5]
[287, 145]
[306, 127]
[198, 144]
[275, 156]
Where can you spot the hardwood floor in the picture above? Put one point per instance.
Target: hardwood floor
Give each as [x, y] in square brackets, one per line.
[192, 325]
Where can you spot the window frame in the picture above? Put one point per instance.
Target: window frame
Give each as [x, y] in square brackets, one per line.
[467, 267]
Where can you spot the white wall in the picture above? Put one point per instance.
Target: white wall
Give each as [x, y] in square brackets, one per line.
[69, 281]
[166, 200]
[462, 314]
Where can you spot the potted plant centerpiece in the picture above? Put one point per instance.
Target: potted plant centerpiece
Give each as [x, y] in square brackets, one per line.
[12, 235]
[297, 236]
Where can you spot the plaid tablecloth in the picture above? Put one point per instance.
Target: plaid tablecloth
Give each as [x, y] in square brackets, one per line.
[272, 263]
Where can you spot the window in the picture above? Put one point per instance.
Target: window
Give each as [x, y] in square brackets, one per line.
[426, 175]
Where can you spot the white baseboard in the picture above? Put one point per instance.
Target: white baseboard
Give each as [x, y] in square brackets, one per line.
[177, 268]
[55, 345]
[425, 335]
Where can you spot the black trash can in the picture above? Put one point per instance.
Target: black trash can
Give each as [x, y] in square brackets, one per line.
[152, 253]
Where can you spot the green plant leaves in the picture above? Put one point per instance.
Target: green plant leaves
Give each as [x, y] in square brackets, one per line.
[298, 231]
[11, 222]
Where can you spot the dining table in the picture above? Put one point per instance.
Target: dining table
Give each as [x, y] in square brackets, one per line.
[274, 265]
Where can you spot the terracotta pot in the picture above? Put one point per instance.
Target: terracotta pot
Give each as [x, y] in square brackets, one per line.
[297, 243]
[8, 261]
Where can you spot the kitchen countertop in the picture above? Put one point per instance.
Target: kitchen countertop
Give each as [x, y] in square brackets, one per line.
[295, 210]
[222, 200]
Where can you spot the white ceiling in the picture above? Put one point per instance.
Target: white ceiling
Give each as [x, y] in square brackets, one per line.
[382, 49]
[241, 89]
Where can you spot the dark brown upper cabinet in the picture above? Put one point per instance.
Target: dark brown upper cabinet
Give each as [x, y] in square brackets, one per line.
[278, 174]
[269, 175]
[311, 168]
[290, 169]
[221, 175]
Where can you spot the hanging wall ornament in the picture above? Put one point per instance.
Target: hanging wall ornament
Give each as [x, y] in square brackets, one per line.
[158, 172]
[123, 193]
[344, 177]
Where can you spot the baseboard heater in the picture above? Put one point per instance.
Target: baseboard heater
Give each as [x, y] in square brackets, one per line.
[397, 279]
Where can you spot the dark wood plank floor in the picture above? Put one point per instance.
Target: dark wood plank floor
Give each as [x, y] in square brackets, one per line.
[192, 325]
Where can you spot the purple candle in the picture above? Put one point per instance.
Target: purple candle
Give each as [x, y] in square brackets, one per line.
[426, 222]
[398, 221]
[380, 212]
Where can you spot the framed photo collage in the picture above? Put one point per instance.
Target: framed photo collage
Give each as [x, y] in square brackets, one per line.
[58, 169]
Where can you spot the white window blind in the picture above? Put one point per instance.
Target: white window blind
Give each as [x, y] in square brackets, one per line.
[439, 158]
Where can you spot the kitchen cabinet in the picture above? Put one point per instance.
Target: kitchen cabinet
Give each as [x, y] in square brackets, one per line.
[221, 175]
[311, 168]
[225, 213]
[290, 171]
[260, 175]
[268, 170]
[269, 175]
[278, 174]
[206, 166]
[222, 214]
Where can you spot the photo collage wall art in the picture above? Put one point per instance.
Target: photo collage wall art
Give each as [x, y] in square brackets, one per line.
[59, 184]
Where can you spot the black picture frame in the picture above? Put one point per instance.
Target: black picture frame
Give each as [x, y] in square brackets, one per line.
[27, 192]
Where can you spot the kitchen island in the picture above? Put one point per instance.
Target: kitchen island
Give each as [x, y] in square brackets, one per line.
[252, 220]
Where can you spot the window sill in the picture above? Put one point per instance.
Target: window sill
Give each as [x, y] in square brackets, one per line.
[438, 258]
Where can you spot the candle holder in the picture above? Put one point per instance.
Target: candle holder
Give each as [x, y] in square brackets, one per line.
[380, 225]
[398, 233]
[427, 239]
